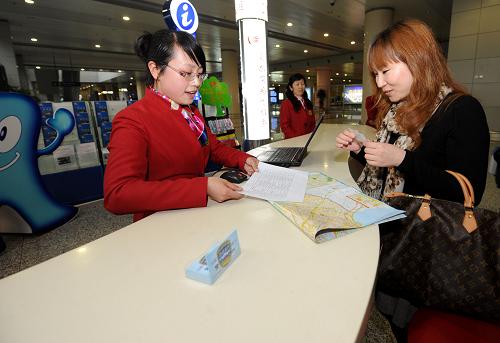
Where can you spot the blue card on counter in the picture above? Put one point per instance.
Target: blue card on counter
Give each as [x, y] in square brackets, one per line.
[220, 256]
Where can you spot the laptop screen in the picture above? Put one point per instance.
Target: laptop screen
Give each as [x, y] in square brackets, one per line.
[314, 132]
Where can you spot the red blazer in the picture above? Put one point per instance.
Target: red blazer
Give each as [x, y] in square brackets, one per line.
[293, 123]
[156, 162]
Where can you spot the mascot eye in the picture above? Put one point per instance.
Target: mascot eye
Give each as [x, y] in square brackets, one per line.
[10, 132]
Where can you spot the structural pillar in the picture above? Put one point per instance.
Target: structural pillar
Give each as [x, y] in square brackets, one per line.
[323, 82]
[230, 75]
[140, 85]
[7, 55]
[251, 16]
[376, 20]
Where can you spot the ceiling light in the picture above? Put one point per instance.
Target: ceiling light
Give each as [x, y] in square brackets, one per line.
[82, 69]
[130, 83]
[349, 80]
[353, 42]
[337, 74]
[131, 78]
[126, 18]
[343, 80]
[100, 69]
[38, 67]
[277, 45]
[331, 79]
[97, 45]
[325, 34]
[220, 58]
[269, 75]
[289, 24]
[31, 2]
[308, 77]
[306, 51]
[33, 39]
[345, 74]
[119, 71]
[307, 70]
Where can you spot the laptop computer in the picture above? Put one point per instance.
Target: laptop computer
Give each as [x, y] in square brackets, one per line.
[288, 156]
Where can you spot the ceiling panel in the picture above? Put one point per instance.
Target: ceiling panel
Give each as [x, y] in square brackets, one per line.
[67, 31]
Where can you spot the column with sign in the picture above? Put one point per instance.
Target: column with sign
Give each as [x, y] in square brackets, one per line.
[251, 16]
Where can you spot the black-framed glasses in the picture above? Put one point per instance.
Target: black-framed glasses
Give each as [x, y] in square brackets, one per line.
[189, 76]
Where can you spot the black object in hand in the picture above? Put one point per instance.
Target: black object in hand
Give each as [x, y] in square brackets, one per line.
[234, 176]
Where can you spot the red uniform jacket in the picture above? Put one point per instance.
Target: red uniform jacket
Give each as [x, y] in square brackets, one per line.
[293, 123]
[156, 162]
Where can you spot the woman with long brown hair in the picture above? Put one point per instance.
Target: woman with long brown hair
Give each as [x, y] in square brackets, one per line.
[426, 121]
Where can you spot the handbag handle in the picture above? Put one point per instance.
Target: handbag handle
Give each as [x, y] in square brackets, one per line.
[469, 222]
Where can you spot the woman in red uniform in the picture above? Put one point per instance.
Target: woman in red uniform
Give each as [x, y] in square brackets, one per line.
[296, 112]
[160, 145]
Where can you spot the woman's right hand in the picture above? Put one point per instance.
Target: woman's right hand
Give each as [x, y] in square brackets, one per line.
[347, 140]
[221, 190]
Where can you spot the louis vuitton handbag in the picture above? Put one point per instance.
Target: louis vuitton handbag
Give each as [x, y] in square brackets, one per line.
[443, 255]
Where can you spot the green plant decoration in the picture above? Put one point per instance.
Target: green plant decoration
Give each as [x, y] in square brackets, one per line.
[215, 93]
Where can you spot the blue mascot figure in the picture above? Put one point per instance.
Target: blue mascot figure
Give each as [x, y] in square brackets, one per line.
[21, 184]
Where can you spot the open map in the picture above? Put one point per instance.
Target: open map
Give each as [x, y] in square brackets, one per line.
[332, 209]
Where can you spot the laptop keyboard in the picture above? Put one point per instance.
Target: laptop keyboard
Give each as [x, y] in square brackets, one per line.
[285, 154]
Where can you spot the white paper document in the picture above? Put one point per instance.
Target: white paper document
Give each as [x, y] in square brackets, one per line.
[277, 184]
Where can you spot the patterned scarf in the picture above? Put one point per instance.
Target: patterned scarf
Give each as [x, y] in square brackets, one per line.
[195, 123]
[378, 181]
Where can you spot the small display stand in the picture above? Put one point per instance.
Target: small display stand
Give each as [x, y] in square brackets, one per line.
[221, 126]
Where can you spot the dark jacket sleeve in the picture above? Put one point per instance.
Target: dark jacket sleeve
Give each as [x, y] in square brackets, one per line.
[360, 156]
[463, 136]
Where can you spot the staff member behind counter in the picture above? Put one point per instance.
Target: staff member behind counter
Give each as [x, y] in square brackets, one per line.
[296, 112]
[160, 145]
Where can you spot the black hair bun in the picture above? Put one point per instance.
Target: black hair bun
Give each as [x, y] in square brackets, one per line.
[142, 46]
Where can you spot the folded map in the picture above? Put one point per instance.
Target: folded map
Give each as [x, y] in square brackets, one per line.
[332, 209]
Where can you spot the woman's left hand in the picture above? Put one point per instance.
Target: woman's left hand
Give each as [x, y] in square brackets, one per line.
[383, 154]
[251, 165]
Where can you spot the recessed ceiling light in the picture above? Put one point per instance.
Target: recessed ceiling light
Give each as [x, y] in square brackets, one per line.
[97, 45]
[353, 42]
[307, 70]
[130, 83]
[82, 69]
[277, 45]
[220, 58]
[308, 77]
[126, 18]
[289, 24]
[38, 67]
[337, 74]
[326, 34]
[131, 78]
[33, 39]
[100, 69]
[331, 79]
[306, 51]
[31, 2]
[343, 80]
[349, 80]
[269, 75]
[345, 74]
[119, 71]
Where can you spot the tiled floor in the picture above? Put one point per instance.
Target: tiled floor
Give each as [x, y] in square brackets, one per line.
[91, 223]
